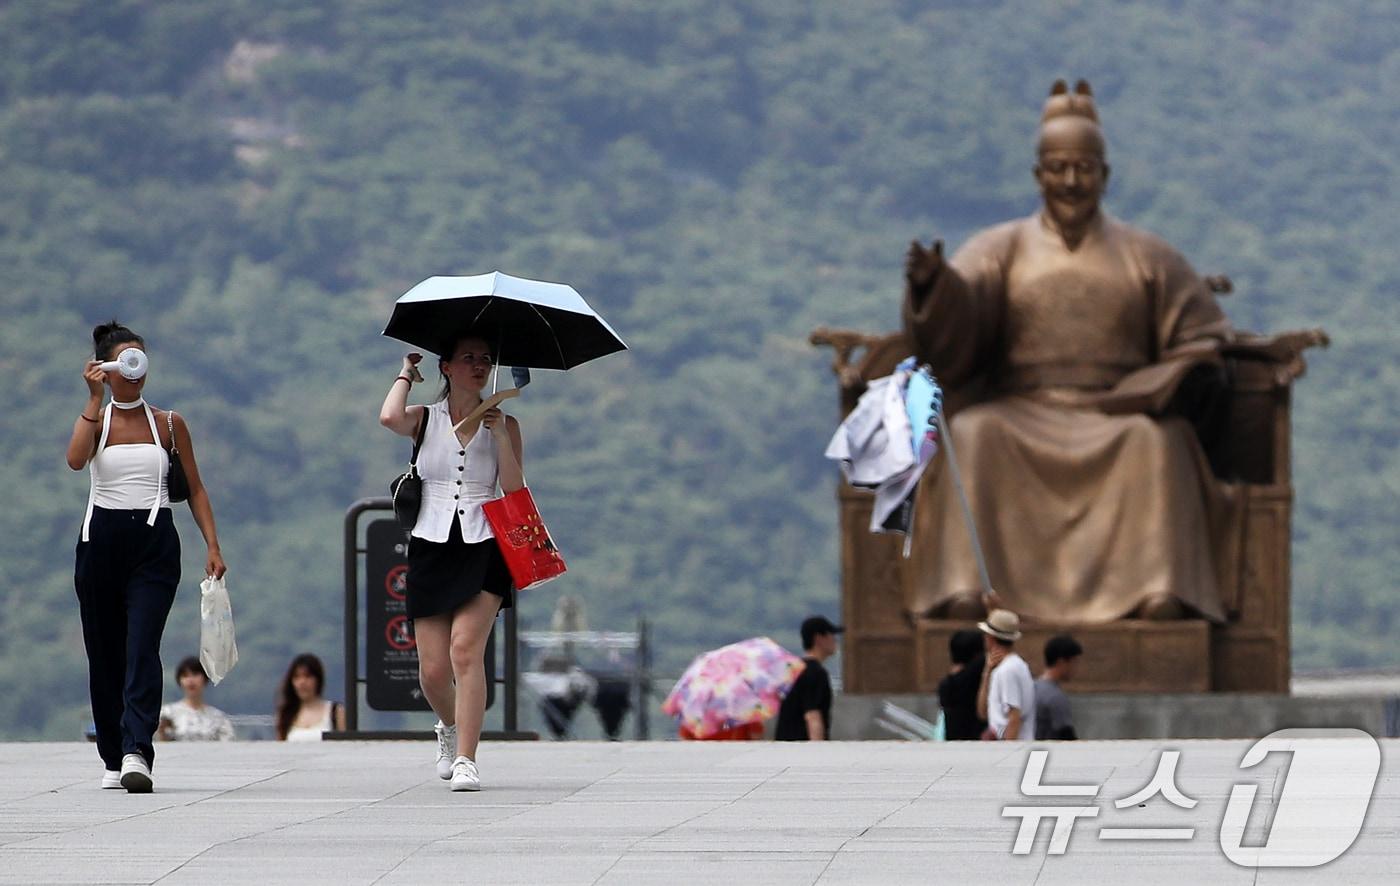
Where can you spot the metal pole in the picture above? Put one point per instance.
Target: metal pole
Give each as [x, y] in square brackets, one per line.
[966, 509]
[511, 652]
[512, 671]
[643, 680]
[496, 368]
[352, 603]
[352, 615]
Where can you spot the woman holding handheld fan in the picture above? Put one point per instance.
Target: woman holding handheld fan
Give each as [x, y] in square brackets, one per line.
[128, 554]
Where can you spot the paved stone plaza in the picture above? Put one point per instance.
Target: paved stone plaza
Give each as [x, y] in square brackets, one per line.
[639, 813]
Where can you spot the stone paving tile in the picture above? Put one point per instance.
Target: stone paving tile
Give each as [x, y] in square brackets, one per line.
[664, 812]
[792, 837]
[579, 866]
[928, 865]
[749, 868]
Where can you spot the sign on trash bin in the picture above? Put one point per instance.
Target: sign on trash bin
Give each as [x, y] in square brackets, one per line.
[391, 650]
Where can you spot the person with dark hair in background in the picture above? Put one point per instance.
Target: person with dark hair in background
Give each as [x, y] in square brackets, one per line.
[1053, 718]
[190, 719]
[302, 714]
[128, 555]
[805, 714]
[457, 578]
[957, 692]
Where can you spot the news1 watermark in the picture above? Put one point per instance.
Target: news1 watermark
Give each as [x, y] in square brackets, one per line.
[1318, 807]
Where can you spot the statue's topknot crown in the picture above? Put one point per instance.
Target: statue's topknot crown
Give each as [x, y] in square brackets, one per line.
[1063, 103]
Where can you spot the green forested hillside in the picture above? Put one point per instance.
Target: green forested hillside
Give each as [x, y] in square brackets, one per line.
[251, 183]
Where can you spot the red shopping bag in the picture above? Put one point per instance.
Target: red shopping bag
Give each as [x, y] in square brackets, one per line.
[523, 539]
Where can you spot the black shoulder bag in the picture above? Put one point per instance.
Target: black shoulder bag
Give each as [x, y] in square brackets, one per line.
[407, 488]
[177, 485]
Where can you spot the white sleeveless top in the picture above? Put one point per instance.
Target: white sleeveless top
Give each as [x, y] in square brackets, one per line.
[128, 476]
[313, 733]
[457, 479]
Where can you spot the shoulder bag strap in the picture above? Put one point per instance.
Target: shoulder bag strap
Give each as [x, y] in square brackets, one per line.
[170, 426]
[92, 468]
[418, 440]
[160, 475]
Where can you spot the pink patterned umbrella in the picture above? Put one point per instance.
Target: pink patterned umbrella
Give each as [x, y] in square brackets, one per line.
[737, 684]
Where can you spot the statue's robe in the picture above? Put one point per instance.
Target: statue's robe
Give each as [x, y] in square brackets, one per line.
[1088, 494]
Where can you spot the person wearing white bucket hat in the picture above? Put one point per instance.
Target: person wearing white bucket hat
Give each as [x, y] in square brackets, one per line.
[1007, 697]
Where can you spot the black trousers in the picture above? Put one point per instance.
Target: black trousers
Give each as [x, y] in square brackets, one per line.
[126, 577]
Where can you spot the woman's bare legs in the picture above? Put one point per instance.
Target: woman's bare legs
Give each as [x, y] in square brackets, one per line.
[433, 635]
[471, 627]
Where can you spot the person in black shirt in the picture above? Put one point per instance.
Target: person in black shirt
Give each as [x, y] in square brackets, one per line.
[805, 714]
[957, 692]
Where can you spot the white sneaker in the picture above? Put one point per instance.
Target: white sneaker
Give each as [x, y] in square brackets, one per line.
[135, 774]
[111, 780]
[464, 775]
[447, 749]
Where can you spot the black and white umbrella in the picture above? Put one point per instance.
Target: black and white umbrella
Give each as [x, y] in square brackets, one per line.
[534, 324]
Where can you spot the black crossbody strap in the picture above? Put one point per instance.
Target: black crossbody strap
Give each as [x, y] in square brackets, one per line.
[418, 441]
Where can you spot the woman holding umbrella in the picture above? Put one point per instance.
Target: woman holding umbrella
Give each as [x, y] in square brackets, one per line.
[457, 579]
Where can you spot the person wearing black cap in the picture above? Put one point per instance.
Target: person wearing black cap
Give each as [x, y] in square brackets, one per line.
[805, 714]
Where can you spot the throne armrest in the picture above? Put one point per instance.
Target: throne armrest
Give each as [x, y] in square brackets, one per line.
[1257, 441]
[1284, 349]
[878, 355]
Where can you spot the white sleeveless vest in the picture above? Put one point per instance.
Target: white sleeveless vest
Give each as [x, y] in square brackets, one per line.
[457, 479]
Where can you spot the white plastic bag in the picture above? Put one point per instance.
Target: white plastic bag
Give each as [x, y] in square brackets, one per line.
[217, 650]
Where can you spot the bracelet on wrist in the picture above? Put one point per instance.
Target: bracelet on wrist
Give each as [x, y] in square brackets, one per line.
[405, 378]
[83, 415]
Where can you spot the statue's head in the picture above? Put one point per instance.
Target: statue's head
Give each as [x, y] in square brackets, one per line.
[1071, 159]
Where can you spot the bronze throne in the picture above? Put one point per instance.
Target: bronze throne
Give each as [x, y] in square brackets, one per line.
[887, 650]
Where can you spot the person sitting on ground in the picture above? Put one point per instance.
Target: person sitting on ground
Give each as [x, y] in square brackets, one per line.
[302, 714]
[1007, 696]
[190, 719]
[957, 692]
[805, 714]
[1053, 719]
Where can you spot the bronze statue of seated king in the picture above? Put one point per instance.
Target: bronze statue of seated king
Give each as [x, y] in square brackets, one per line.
[1110, 425]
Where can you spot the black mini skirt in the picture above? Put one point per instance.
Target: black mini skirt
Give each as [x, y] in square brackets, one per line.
[445, 576]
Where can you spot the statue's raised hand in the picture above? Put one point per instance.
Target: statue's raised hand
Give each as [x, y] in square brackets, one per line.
[922, 266]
